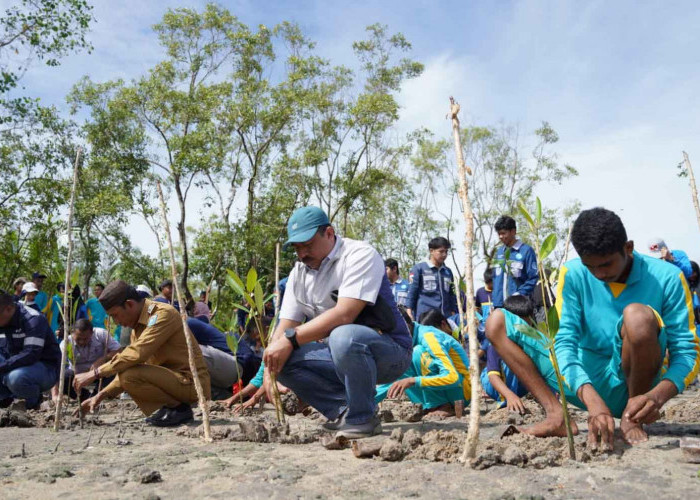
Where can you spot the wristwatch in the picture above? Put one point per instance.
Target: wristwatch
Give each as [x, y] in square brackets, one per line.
[291, 335]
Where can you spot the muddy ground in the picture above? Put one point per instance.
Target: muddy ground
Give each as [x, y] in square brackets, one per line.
[116, 455]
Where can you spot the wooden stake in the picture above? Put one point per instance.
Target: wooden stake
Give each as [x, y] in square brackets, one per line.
[693, 186]
[475, 405]
[66, 313]
[279, 409]
[203, 404]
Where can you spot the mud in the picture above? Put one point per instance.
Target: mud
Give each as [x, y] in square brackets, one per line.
[118, 456]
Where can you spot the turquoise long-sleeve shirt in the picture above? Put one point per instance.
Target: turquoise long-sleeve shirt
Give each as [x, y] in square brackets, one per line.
[96, 313]
[447, 359]
[257, 381]
[590, 309]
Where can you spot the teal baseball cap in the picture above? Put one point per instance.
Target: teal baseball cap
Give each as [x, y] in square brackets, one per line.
[304, 223]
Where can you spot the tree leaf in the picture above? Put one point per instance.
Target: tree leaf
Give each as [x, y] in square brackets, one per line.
[553, 320]
[251, 280]
[547, 246]
[526, 214]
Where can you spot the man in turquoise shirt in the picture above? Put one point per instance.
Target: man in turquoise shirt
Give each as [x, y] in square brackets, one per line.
[621, 313]
[96, 313]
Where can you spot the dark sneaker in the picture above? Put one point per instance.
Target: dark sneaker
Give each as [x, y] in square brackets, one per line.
[359, 431]
[334, 425]
[5, 403]
[156, 415]
[179, 415]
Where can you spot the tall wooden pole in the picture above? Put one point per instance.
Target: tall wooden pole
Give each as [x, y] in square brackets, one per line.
[66, 311]
[693, 186]
[203, 404]
[475, 405]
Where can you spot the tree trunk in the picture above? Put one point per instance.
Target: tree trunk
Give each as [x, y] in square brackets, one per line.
[693, 186]
[66, 304]
[475, 406]
[203, 404]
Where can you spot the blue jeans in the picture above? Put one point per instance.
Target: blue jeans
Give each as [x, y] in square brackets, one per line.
[344, 372]
[28, 382]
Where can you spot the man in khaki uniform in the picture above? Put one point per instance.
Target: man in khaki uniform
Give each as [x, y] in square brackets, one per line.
[154, 369]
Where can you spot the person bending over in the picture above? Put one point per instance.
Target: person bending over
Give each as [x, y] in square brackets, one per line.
[499, 381]
[91, 348]
[154, 368]
[439, 373]
[620, 312]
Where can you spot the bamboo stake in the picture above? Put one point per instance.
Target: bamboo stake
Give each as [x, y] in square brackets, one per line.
[279, 409]
[475, 405]
[66, 313]
[693, 186]
[203, 404]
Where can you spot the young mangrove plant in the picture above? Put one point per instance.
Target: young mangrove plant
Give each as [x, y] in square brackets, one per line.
[252, 294]
[546, 330]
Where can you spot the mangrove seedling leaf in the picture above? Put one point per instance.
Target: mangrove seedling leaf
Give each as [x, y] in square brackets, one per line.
[526, 214]
[553, 320]
[539, 211]
[529, 331]
[251, 280]
[259, 299]
[547, 246]
[235, 282]
[232, 342]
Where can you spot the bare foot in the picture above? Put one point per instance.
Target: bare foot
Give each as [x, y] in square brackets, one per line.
[440, 412]
[552, 426]
[632, 433]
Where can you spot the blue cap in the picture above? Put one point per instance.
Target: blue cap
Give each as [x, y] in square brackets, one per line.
[37, 274]
[304, 223]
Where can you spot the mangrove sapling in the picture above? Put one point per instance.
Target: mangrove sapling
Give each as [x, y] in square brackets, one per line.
[475, 405]
[547, 330]
[189, 338]
[66, 316]
[253, 295]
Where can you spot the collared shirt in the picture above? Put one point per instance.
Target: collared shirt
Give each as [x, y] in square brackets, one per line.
[399, 289]
[353, 269]
[515, 274]
[431, 287]
[590, 309]
[100, 344]
[158, 339]
[26, 339]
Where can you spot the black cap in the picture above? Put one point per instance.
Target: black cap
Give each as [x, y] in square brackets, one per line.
[37, 274]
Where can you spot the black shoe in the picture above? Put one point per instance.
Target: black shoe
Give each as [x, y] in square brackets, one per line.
[157, 415]
[179, 415]
[4, 403]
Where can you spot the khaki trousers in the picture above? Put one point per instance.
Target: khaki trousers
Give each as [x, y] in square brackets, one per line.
[152, 387]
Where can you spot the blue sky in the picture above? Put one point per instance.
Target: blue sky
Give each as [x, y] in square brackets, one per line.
[617, 80]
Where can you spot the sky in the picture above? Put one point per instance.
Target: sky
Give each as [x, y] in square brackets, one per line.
[618, 81]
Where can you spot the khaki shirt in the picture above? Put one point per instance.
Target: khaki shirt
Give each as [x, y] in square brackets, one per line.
[158, 339]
